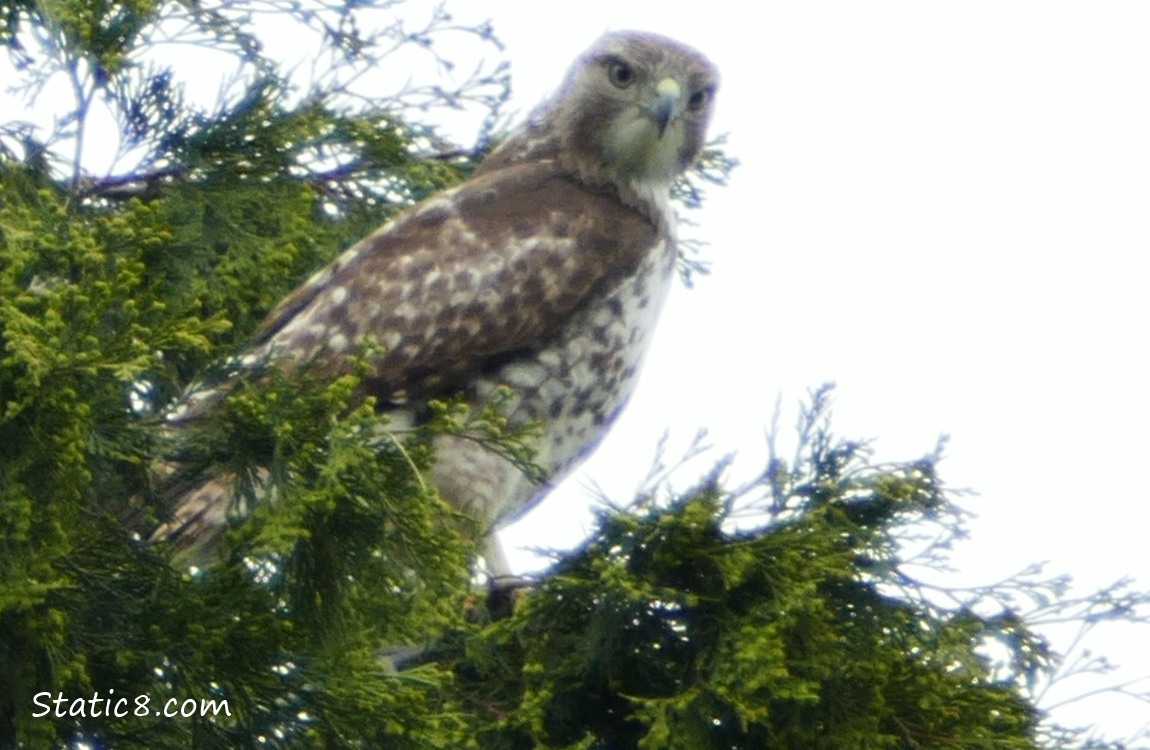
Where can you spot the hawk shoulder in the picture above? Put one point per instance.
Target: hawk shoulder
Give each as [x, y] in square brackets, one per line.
[493, 266]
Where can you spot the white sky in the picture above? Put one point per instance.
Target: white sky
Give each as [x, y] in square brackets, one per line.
[944, 208]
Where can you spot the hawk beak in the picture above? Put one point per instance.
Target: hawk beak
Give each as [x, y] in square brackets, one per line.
[669, 92]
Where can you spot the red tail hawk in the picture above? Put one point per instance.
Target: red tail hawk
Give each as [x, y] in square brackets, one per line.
[545, 271]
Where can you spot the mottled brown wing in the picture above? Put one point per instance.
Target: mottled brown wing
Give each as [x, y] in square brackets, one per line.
[490, 268]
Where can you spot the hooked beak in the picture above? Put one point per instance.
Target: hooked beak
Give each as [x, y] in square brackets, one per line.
[669, 93]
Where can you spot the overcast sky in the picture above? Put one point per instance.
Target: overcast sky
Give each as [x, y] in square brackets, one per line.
[943, 208]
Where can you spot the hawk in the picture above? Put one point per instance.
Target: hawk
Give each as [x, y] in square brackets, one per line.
[545, 271]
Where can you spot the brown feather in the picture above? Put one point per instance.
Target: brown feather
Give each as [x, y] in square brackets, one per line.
[504, 280]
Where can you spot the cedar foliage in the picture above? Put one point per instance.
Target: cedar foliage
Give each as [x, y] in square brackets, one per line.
[673, 626]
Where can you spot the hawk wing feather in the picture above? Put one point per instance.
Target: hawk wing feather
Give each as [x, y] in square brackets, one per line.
[493, 267]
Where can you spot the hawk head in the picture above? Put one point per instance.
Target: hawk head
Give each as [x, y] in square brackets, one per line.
[634, 109]
[632, 112]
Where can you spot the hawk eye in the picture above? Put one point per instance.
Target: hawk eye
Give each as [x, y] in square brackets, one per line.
[699, 99]
[620, 73]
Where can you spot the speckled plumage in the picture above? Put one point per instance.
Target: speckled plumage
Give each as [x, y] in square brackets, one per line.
[545, 271]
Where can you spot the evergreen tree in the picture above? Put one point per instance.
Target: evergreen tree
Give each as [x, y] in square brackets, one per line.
[672, 626]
